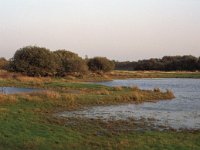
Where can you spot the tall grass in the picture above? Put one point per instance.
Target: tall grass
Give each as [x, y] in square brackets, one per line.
[8, 98]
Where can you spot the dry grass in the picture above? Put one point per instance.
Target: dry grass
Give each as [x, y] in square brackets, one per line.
[51, 94]
[117, 88]
[7, 75]
[102, 92]
[40, 96]
[156, 90]
[134, 88]
[170, 93]
[137, 96]
[4, 110]
[8, 98]
[35, 80]
[51, 97]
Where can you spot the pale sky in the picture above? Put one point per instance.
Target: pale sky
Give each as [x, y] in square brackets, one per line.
[117, 29]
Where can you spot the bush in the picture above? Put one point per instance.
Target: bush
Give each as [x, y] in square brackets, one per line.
[100, 64]
[69, 62]
[33, 61]
[3, 63]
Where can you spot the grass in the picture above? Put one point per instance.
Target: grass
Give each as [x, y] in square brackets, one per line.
[92, 77]
[24, 128]
[27, 120]
[152, 74]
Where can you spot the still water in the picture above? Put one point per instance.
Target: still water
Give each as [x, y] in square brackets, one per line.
[183, 112]
[15, 90]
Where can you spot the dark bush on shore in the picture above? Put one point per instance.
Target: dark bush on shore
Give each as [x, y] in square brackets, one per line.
[167, 63]
[38, 61]
[3, 63]
[100, 64]
[33, 61]
[69, 62]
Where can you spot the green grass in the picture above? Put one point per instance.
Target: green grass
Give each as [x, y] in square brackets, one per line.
[22, 128]
[74, 85]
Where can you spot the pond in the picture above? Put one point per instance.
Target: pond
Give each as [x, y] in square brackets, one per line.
[183, 112]
[15, 90]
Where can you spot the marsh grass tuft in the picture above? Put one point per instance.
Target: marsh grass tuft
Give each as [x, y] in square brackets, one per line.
[117, 88]
[51, 94]
[134, 88]
[103, 92]
[156, 90]
[137, 96]
[170, 93]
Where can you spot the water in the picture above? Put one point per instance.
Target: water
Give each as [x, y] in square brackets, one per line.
[15, 90]
[183, 112]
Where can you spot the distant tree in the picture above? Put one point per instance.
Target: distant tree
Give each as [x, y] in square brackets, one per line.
[3, 63]
[100, 64]
[69, 62]
[198, 64]
[33, 61]
[167, 63]
[127, 64]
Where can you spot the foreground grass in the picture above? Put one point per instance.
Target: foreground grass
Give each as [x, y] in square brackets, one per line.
[22, 127]
[27, 121]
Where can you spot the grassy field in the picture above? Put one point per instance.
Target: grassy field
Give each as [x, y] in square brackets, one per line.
[94, 77]
[27, 121]
[152, 74]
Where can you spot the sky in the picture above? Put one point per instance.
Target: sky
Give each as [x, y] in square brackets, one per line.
[117, 29]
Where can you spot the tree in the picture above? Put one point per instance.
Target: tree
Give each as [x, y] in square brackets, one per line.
[100, 64]
[69, 62]
[34, 61]
[189, 63]
[167, 63]
[198, 64]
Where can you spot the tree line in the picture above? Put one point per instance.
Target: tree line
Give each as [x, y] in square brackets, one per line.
[167, 63]
[40, 61]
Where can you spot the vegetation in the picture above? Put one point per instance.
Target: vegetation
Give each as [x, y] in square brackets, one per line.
[69, 62]
[28, 121]
[167, 63]
[119, 74]
[33, 61]
[38, 61]
[3, 63]
[100, 64]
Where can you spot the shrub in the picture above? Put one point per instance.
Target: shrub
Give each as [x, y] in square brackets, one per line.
[69, 62]
[100, 64]
[3, 63]
[33, 61]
